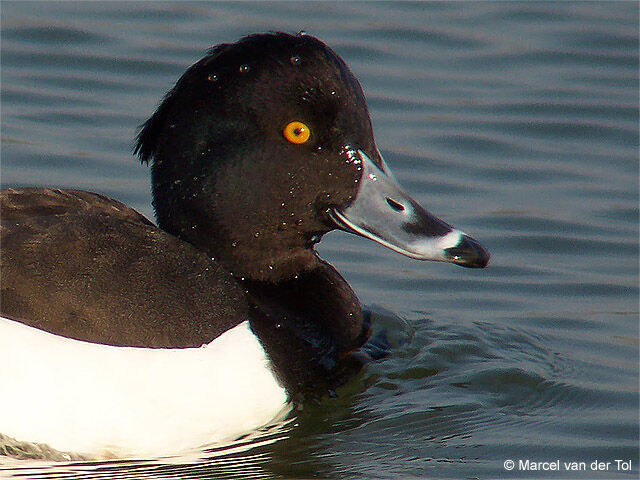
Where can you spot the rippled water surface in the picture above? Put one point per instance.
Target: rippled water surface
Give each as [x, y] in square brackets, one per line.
[517, 122]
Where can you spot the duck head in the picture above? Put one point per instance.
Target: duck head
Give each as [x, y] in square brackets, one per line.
[265, 145]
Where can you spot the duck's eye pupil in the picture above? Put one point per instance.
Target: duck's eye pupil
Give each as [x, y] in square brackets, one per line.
[296, 132]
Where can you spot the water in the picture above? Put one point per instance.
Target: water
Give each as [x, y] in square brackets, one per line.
[517, 122]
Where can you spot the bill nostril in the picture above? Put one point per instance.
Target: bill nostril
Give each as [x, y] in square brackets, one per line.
[398, 207]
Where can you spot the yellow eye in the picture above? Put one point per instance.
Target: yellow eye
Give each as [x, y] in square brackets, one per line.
[296, 132]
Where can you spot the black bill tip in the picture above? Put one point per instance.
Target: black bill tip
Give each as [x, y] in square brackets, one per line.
[468, 253]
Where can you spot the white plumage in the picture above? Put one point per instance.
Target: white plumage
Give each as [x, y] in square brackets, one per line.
[107, 401]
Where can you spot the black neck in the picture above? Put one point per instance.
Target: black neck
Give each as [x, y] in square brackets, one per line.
[309, 325]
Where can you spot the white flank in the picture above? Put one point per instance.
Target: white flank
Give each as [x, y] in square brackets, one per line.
[107, 401]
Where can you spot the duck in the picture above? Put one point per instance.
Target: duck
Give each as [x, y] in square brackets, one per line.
[121, 337]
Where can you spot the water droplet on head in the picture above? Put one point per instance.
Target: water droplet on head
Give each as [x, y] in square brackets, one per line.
[295, 60]
[234, 244]
[212, 77]
[244, 68]
[373, 177]
[282, 204]
[257, 234]
[299, 221]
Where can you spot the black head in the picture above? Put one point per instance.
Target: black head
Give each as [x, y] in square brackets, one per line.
[226, 179]
[234, 174]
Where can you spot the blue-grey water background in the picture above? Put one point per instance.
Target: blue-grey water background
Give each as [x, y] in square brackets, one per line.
[516, 122]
